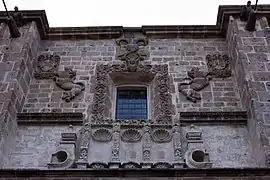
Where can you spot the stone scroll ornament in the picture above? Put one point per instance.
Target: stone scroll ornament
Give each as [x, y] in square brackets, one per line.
[132, 52]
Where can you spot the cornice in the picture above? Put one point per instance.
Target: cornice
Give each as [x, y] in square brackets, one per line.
[212, 172]
[159, 31]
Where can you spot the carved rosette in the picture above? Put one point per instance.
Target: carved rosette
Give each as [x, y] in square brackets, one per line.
[146, 144]
[219, 65]
[177, 146]
[115, 143]
[84, 144]
[163, 103]
[47, 66]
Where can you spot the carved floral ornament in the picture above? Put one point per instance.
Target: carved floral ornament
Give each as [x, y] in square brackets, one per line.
[47, 68]
[218, 67]
[132, 64]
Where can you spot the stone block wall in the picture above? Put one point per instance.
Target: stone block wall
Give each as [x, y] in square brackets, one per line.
[252, 57]
[16, 71]
[179, 54]
[228, 146]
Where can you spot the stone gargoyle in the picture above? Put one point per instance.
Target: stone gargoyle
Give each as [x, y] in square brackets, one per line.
[196, 80]
[65, 80]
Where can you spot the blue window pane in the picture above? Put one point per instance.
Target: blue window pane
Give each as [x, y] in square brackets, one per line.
[131, 103]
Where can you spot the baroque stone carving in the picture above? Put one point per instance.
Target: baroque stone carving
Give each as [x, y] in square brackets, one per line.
[98, 165]
[177, 145]
[196, 81]
[115, 143]
[131, 135]
[245, 11]
[65, 80]
[161, 135]
[162, 165]
[102, 135]
[18, 17]
[163, 98]
[146, 144]
[132, 51]
[130, 165]
[219, 65]
[85, 139]
[47, 66]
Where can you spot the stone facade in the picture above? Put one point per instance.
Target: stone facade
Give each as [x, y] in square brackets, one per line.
[207, 98]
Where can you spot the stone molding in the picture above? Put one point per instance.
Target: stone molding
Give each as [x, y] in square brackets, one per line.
[146, 173]
[236, 117]
[49, 118]
[112, 32]
[164, 106]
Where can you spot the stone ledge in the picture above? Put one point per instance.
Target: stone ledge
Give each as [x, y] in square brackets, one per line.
[49, 118]
[80, 173]
[237, 117]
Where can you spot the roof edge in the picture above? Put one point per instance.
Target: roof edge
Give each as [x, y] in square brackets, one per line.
[157, 31]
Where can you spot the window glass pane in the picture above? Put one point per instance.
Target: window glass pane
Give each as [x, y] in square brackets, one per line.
[131, 103]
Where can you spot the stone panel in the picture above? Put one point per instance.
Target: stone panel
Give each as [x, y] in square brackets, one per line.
[35, 145]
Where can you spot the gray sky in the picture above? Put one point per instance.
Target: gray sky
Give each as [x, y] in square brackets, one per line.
[68, 13]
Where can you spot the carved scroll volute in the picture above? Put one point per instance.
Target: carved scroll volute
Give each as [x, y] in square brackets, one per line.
[84, 146]
[116, 143]
[146, 144]
[177, 145]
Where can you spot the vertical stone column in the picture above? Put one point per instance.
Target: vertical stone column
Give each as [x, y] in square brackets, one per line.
[250, 53]
[16, 69]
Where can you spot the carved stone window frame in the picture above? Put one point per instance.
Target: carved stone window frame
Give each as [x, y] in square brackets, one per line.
[162, 109]
[148, 100]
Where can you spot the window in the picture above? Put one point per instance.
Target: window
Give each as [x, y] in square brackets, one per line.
[131, 103]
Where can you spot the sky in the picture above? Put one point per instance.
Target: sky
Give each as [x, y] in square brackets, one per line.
[127, 13]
